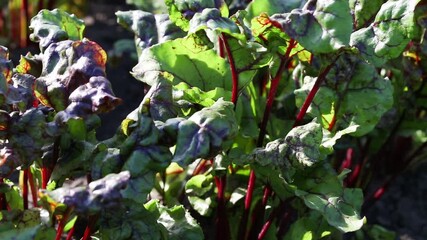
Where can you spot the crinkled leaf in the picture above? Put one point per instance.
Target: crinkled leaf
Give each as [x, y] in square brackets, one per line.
[388, 35]
[353, 92]
[54, 26]
[270, 7]
[28, 135]
[181, 12]
[322, 190]
[364, 10]
[149, 29]
[20, 94]
[177, 221]
[298, 150]
[211, 19]
[162, 105]
[94, 97]
[187, 60]
[66, 66]
[96, 197]
[321, 26]
[205, 132]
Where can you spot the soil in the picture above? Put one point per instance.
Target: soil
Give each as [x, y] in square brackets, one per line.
[403, 208]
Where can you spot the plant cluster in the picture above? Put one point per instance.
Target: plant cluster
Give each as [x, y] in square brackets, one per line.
[268, 123]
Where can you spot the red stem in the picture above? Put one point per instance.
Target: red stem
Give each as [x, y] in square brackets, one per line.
[89, 227]
[221, 47]
[25, 188]
[62, 223]
[222, 226]
[70, 234]
[270, 99]
[312, 93]
[234, 72]
[33, 187]
[199, 168]
[45, 177]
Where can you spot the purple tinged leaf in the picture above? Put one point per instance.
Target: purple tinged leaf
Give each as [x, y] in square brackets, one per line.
[100, 195]
[205, 133]
[9, 161]
[55, 26]
[6, 67]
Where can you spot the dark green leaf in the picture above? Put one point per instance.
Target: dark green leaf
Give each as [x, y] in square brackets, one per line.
[353, 92]
[320, 27]
[364, 11]
[322, 190]
[388, 35]
[205, 132]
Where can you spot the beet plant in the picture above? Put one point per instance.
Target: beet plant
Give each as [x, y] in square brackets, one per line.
[268, 123]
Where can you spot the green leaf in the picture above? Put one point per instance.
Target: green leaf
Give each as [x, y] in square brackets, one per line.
[364, 11]
[322, 190]
[205, 133]
[353, 92]
[320, 27]
[187, 60]
[54, 26]
[178, 222]
[196, 190]
[270, 7]
[309, 227]
[388, 35]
